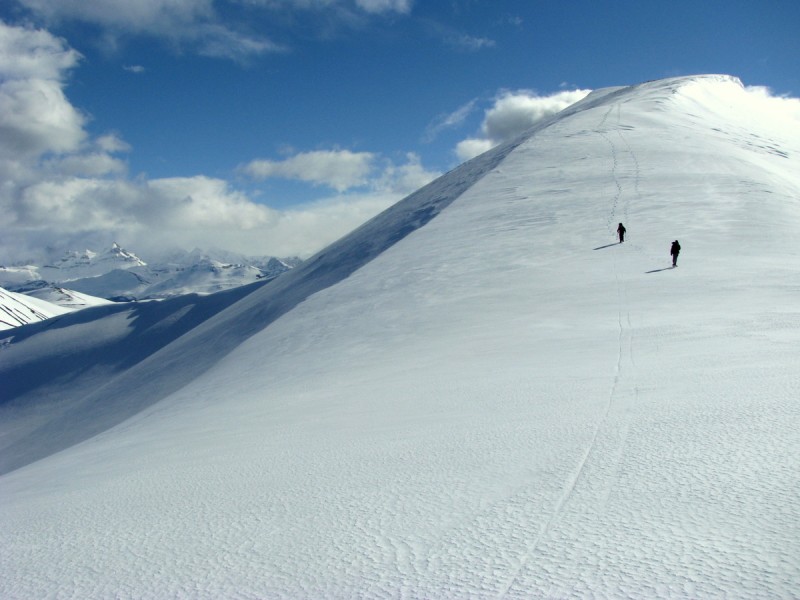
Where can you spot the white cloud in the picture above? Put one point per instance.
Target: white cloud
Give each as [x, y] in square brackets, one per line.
[472, 147]
[197, 25]
[455, 38]
[401, 180]
[92, 164]
[468, 42]
[111, 142]
[343, 170]
[184, 212]
[511, 114]
[218, 41]
[513, 20]
[170, 204]
[514, 112]
[141, 15]
[338, 169]
[191, 23]
[198, 202]
[368, 6]
[39, 127]
[35, 116]
[382, 6]
[27, 53]
[448, 121]
[304, 230]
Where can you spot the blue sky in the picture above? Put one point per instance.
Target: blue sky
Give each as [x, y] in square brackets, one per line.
[275, 126]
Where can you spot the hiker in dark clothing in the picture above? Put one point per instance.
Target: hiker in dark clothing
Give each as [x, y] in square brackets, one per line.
[674, 251]
[621, 232]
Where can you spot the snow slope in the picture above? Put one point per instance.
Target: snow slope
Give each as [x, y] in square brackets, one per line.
[65, 298]
[57, 374]
[476, 394]
[19, 309]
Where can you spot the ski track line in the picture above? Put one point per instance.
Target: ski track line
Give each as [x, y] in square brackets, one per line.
[636, 168]
[614, 165]
[621, 201]
[577, 473]
[570, 484]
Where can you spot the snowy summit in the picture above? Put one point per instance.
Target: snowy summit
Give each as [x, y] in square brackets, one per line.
[480, 393]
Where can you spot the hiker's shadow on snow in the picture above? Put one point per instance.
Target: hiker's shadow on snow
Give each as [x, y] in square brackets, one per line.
[607, 246]
[659, 270]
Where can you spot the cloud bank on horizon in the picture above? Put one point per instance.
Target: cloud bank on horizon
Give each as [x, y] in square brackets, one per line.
[62, 185]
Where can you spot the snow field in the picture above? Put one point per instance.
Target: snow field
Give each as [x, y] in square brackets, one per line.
[504, 403]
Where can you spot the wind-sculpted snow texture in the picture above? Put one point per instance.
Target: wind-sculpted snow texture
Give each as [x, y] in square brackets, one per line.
[478, 394]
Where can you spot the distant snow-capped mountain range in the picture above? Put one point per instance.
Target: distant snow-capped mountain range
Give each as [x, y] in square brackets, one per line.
[86, 278]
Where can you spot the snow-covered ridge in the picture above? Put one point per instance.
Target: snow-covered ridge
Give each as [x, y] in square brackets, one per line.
[477, 394]
[119, 274]
[19, 309]
[76, 265]
[65, 298]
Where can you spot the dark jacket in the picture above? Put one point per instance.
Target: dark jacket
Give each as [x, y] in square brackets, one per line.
[675, 249]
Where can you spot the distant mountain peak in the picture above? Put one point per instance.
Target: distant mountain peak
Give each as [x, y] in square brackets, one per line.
[73, 259]
[117, 273]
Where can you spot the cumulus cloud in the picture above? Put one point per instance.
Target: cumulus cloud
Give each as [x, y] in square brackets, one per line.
[90, 164]
[33, 53]
[511, 114]
[42, 135]
[472, 147]
[130, 207]
[149, 216]
[111, 142]
[302, 230]
[146, 214]
[514, 112]
[35, 116]
[338, 169]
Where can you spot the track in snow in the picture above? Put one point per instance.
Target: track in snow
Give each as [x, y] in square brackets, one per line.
[625, 355]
